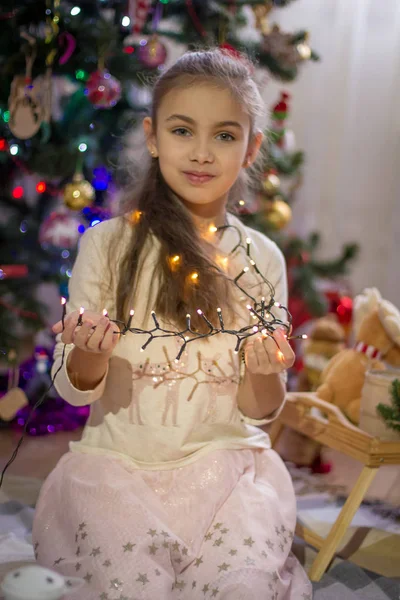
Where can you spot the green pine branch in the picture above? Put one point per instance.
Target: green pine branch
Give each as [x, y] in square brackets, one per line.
[391, 414]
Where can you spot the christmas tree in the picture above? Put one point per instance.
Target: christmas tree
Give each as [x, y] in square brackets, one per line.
[75, 79]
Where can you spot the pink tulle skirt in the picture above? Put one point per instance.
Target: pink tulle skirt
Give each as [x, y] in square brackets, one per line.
[221, 527]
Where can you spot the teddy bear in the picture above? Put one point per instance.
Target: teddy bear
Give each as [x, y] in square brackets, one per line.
[326, 338]
[376, 330]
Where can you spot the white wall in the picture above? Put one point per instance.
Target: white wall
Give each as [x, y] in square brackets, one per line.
[346, 116]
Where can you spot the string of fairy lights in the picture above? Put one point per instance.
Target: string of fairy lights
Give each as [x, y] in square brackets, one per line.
[265, 321]
[261, 310]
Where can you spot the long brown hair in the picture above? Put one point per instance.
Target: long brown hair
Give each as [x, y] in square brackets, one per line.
[166, 217]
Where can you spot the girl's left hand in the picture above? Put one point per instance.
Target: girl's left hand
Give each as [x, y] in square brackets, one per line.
[265, 355]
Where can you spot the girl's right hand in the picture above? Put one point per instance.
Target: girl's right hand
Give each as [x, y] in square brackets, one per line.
[101, 340]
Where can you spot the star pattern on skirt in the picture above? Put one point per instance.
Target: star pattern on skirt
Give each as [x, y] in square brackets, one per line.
[282, 547]
[270, 544]
[215, 592]
[218, 542]
[115, 583]
[165, 534]
[157, 572]
[88, 577]
[250, 562]
[184, 551]
[223, 567]
[152, 532]
[198, 561]
[275, 577]
[180, 585]
[104, 596]
[76, 538]
[248, 542]
[58, 561]
[206, 588]
[218, 525]
[77, 566]
[194, 583]
[233, 552]
[175, 546]
[224, 530]
[178, 560]
[208, 537]
[78, 551]
[83, 535]
[107, 563]
[277, 530]
[142, 578]
[153, 549]
[165, 545]
[95, 551]
[264, 554]
[128, 547]
[82, 526]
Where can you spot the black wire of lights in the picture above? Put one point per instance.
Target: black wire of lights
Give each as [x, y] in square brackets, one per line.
[265, 322]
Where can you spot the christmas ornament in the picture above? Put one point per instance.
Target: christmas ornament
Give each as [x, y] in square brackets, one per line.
[14, 399]
[279, 114]
[30, 101]
[260, 12]
[280, 46]
[153, 53]
[59, 230]
[138, 96]
[271, 182]
[278, 214]
[102, 89]
[139, 9]
[79, 193]
[304, 49]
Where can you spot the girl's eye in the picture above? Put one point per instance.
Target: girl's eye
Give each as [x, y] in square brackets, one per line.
[226, 137]
[181, 131]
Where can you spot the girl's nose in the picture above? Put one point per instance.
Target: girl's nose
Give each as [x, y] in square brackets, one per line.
[201, 152]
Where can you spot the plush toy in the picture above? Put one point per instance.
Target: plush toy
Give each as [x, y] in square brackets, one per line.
[325, 339]
[376, 328]
[36, 583]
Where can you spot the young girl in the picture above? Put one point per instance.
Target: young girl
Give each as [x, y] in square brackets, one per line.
[172, 491]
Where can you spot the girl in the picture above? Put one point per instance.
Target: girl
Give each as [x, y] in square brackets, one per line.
[172, 491]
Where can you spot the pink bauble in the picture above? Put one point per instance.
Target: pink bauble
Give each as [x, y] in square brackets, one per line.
[152, 54]
[59, 230]
[103, 90]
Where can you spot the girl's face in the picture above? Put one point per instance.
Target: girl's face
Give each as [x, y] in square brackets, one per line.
[202, 143]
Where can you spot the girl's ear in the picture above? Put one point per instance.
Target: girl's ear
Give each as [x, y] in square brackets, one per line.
[150, 137]
[253, 149]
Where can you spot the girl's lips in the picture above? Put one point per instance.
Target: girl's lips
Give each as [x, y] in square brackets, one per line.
[197, 178]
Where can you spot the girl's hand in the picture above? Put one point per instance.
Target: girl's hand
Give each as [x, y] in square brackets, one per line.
[101, 340]
[265, 355]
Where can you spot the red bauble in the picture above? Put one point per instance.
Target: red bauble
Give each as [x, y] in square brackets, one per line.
[103, 90]
[153, 53]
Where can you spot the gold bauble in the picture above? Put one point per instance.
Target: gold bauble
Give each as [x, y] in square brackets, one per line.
[278, 214]
[79, 193]
[260, 12]
[271, 183]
